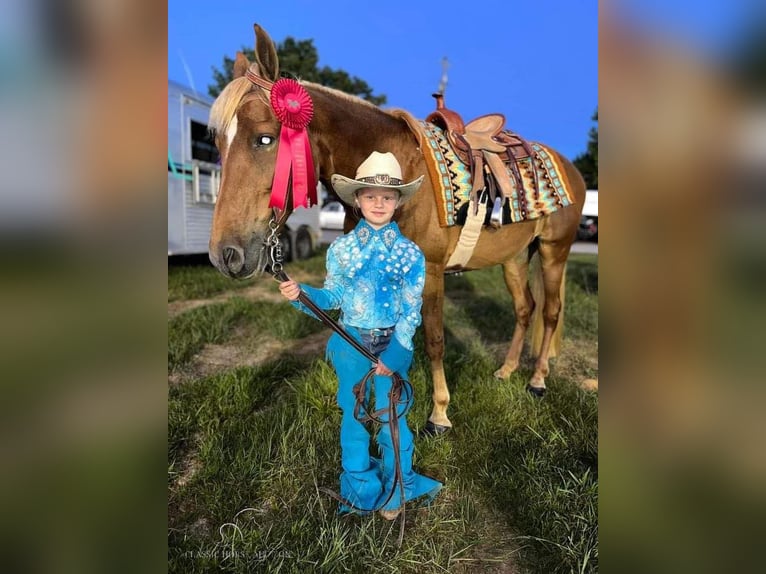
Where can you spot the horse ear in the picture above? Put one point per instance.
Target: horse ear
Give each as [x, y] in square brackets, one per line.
[241, 64]
[266, 54]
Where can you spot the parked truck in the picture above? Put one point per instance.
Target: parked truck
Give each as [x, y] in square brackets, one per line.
[194, 177]
[589, 221]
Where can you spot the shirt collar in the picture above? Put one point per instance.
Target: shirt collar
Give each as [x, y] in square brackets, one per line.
[388, 233]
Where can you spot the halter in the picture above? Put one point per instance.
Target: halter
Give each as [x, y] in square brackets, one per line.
[294, 167]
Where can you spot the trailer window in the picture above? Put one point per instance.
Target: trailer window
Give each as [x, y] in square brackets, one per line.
[203, 147]
[206, 169]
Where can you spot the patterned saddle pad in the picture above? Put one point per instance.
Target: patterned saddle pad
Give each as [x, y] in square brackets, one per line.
[451, 180]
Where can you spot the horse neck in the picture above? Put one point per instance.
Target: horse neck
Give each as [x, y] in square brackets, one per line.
[348, 130]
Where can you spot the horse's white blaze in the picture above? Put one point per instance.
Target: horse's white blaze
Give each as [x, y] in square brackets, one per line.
[232, 131]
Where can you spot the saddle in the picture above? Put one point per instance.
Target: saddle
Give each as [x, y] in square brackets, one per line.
[490, 151]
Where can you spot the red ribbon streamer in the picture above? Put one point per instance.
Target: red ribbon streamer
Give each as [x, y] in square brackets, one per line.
[293, 107]
[294, 159]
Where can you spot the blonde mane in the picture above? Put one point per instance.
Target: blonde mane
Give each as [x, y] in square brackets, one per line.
[228, 101]
[226, 104]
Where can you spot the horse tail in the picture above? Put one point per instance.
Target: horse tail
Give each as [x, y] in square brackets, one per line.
[538, 294]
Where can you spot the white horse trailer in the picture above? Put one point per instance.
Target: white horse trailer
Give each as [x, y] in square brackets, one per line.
[194, 175]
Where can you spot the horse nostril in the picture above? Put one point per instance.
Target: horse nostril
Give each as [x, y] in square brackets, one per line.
[233, 258]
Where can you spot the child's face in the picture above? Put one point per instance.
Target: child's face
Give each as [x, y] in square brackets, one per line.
[377, 205]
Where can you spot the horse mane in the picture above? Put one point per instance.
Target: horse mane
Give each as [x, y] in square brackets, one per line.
[228, 101]
[226, 104]
[341, 95]
[338, 106]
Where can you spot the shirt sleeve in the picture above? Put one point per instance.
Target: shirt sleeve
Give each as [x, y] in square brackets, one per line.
[398, 354]
[331, 294]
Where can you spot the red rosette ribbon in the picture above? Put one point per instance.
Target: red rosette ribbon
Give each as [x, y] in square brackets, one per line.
[294, 109]
[291, 103]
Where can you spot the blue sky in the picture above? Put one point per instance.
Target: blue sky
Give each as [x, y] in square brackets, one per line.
[534, 62]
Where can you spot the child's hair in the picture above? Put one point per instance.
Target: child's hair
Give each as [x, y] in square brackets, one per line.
[361, 189]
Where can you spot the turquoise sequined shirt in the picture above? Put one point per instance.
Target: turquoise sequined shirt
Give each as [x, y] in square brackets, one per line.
[376, 278]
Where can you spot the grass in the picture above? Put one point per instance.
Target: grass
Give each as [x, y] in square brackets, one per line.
[215, 323]
[187, 281]
[248, 448]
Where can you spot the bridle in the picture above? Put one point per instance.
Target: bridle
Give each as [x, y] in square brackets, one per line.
[294, 179]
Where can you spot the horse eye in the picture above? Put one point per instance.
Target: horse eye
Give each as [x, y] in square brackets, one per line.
[263, 140]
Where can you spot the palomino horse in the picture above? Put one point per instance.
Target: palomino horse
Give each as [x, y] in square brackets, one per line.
[343, 131]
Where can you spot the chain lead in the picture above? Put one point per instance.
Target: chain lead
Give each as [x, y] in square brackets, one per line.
[274, 246]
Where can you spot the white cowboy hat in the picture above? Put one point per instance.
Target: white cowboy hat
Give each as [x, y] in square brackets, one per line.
[378, 170]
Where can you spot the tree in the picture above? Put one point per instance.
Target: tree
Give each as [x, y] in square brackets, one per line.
[587, 162]
[299, 59]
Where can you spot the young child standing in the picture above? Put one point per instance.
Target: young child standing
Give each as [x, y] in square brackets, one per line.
[375, 277]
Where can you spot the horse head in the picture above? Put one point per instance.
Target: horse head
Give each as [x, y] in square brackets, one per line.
[246, 134]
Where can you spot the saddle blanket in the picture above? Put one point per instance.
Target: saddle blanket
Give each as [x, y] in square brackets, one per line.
[451, 181]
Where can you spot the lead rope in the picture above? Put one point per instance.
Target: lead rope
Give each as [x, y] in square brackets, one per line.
[399, 386]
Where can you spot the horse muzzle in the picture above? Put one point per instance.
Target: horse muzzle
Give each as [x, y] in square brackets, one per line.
[238, 262]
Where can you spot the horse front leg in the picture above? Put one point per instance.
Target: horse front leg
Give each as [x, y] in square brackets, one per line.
[433, 326]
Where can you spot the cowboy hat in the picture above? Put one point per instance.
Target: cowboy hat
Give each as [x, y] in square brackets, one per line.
[378, 170]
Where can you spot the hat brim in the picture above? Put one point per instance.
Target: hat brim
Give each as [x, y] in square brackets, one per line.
[345, 187]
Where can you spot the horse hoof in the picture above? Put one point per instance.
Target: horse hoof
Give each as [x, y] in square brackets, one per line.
[537, 391]
[504, 372]
[432, 429]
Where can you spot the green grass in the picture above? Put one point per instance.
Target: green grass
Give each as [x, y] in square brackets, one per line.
[203, 280]
[215, 323]
[198, 282]
[248, 447]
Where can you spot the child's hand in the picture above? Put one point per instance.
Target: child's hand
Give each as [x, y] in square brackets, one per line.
[381, 369]
[290, 290]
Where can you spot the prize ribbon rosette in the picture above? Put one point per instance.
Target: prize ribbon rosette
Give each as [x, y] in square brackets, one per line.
[293, 107]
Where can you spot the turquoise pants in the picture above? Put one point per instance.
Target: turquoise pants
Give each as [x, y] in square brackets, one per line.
[367, 480]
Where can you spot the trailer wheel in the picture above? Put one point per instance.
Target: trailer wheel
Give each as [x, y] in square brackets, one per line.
[287, 252]
[304, 246]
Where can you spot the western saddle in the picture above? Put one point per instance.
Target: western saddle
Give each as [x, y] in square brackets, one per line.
[490, 151]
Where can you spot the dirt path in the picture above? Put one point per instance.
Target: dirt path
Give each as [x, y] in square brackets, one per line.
[266, 290]
[261, 349]
[255, 293]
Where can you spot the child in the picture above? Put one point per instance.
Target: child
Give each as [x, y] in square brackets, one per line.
[375, 277]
